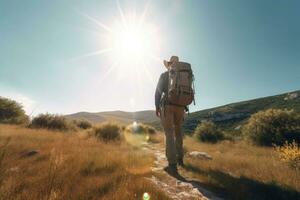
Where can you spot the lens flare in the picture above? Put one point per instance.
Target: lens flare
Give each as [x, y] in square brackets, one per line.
[147, 138]
[146, 196]
[134, 126]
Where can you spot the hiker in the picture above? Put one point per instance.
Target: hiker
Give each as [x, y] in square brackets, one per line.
[174, 92]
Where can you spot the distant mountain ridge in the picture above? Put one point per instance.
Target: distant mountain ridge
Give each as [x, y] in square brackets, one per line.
[227, 116]
[146, 116]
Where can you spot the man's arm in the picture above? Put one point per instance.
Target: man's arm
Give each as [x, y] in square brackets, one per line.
[158, 92]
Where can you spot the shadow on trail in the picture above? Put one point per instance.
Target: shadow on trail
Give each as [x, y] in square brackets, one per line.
[198, 185]
[230, 187]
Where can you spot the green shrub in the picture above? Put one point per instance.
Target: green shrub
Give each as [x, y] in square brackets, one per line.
[207, 131]
[108, 132]
[123, 128]
[140, 128]
[151, 130]
[12, 112]
[83, 124]
[273, 126]
[50, 121]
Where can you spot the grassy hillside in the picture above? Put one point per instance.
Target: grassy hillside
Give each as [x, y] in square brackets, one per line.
[240, 170]
[228, 116]
[232, 115]
[41, 164]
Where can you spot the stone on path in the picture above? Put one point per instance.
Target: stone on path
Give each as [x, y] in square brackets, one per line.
[200, 155]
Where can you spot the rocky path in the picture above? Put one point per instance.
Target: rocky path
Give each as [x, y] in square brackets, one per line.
[179, 187]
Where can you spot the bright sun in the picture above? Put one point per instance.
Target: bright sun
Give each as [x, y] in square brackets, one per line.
[128, 47]
[133, 44]
[130, 41]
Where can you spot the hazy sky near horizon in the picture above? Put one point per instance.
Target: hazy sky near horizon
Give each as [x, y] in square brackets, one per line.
[238, 49]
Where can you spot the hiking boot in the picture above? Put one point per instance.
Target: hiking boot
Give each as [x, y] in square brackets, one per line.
[180, 162]
[171, 169]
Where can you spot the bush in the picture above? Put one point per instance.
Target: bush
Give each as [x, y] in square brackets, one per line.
[83, 124]
[11, 112]
[108, 132]
[140, 128]
[273, 126]
[290, 153]
[207, 131]
[50, 121]
[151, 130]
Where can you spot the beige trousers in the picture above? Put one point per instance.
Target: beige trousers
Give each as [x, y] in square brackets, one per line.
[171, 119]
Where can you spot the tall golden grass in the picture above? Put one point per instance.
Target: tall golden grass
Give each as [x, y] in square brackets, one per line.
[240, 170]
[289, 153]
[70, 166]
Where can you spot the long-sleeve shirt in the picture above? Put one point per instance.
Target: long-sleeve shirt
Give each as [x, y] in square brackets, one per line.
[162, 87]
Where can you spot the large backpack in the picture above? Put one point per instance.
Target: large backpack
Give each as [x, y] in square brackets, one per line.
[180, 86]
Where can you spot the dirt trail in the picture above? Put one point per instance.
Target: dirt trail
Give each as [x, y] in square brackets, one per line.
[177, 188]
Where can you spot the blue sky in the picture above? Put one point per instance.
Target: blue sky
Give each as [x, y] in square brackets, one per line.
[239, 50]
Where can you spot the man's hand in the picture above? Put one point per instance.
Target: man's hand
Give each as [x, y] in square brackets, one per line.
[157, 112]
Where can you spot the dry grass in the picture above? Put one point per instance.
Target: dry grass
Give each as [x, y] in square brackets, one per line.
[290, 153]
[71, 166]
[239, 170]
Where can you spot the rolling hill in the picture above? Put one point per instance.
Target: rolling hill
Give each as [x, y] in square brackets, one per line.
[147, 117]
[228, 116]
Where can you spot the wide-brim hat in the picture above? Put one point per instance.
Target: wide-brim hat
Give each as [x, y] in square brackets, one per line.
[172, 60]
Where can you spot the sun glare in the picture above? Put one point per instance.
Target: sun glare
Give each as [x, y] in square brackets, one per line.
[130, 45]
[128, 48]
[131, 42]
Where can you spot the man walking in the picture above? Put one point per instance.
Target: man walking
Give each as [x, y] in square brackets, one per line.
[173, 93]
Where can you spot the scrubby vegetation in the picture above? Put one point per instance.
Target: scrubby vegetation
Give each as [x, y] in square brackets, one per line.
[273, 126]
[240, 170]
[77, 166]
[207, 131]
[71, 166]
[151, 130]
[52, 122]
[290, 153]
[58, 122]
[83, 124]
[108, 132]
[12, 112]
[244, 109]
[140, 128]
